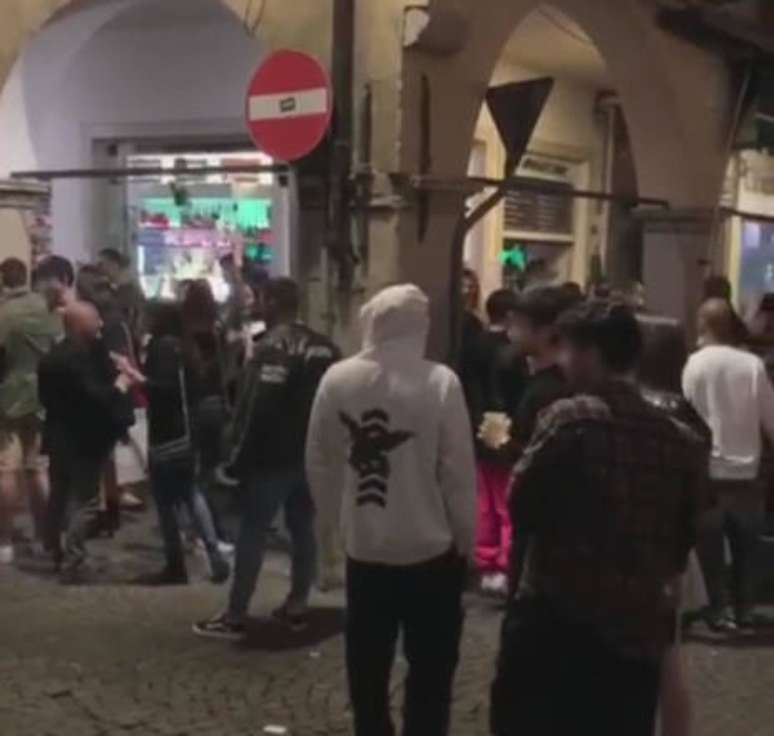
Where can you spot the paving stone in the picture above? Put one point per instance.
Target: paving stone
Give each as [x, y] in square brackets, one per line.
[113, 659]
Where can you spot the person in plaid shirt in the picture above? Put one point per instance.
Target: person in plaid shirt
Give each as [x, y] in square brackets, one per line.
[609, 492]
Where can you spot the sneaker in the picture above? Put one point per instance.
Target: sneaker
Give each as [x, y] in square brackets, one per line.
[7, 554]
[130, 502]
[722, 623]
[488, 583]
[220, 628]
[499, 584]
[295, 620]
[226, 548]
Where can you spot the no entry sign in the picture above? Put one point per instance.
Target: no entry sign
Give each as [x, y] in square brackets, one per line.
[289, 105]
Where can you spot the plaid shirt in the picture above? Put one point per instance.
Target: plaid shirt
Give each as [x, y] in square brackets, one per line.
[609, 491]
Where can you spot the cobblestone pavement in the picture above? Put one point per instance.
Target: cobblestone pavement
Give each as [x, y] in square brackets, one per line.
[113, 658]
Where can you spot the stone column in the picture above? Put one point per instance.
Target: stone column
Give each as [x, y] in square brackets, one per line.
[676, 249]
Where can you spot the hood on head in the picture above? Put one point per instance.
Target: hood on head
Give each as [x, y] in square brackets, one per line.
[397, 314]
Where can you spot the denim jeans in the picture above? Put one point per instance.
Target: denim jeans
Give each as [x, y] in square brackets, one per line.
[174, 489]
[739, 516]
[265, 495]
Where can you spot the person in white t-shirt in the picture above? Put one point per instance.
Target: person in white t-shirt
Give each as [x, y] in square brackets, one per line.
[729, 387]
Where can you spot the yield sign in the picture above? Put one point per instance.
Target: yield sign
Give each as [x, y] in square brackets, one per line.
[289, 105]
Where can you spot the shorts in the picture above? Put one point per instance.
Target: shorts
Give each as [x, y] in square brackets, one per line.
[20, 445]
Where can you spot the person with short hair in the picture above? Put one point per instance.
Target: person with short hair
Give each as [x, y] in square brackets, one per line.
[536, 316]
[609, 492]
[498, 382]
[731, 390]
[268, 439]
[85, 395]
[390, 458]
[54, 279]
[128, 295]
[536, 329]
[28, 331]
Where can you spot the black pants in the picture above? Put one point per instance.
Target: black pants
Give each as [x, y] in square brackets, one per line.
[738, 515]
[74, 503]
[424, 602]
[557, 678]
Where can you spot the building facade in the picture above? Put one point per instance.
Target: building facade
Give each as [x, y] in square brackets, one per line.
[420, 76]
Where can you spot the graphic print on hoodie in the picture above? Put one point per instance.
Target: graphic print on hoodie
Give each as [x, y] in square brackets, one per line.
[372, 441]
[389, 453]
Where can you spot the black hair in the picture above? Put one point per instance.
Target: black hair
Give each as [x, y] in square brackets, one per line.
[609, 327]
[664, 353]
[13, 273]
[114, 256]
[285, 294]
[499, 305]
[572, 291]
[167, 320]
[56, 267]
[543, 305]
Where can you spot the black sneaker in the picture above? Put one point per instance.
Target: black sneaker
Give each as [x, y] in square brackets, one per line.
[295, 621]
[220, 627]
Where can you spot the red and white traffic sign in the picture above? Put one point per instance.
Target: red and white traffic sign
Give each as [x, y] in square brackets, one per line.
[289, 105]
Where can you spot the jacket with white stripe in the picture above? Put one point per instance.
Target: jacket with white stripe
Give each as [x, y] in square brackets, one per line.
[275, 399]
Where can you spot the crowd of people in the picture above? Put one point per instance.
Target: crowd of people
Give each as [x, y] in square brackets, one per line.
[576, 461]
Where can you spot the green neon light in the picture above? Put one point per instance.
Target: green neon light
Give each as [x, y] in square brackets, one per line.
[241, 214]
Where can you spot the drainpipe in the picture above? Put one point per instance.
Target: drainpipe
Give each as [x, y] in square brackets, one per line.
[339, 237]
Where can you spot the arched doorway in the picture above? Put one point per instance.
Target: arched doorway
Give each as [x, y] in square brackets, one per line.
[674, 97]
[578, 137]
[107, 84]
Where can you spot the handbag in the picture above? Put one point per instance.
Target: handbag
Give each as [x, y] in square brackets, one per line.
[180, 450]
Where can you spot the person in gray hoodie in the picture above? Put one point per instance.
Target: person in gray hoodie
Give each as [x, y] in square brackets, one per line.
[390, 457]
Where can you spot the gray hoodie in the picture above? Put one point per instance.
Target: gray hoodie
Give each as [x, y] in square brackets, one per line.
[389, 449]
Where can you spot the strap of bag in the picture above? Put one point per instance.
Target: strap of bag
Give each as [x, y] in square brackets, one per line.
[179, 448]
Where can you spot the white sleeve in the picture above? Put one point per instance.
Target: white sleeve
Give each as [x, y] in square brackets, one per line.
[765, 400]
[323, 464]
[690, 383]
[457, 468]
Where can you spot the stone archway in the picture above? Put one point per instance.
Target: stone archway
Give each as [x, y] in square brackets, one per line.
[674, 96]
[295, 25]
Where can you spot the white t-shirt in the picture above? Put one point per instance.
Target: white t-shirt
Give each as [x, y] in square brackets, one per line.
[732, 392]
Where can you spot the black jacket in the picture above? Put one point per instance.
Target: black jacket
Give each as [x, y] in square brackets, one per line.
[498, 374]
[166, 415]
[271, 417]
[84, 409]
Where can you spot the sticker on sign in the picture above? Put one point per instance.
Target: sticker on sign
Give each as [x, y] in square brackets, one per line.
[275, 107]
[289, 105]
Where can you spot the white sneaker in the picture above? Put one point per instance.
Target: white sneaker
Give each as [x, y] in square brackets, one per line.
[226, 548]
[488, 583]
[500, 584]
[7, 555]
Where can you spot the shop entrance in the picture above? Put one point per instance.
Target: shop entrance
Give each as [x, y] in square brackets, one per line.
[114, 85]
